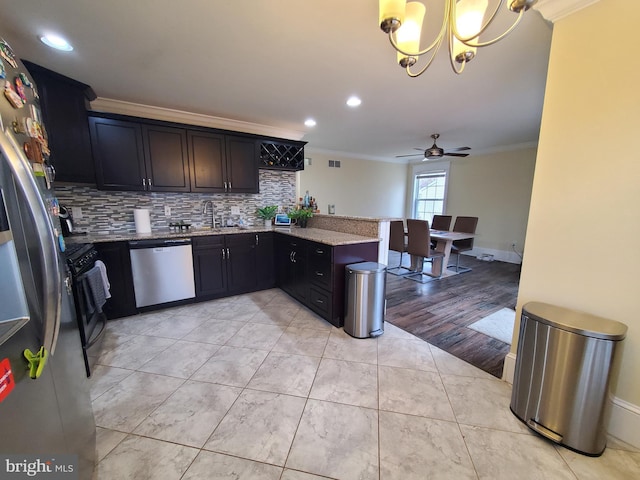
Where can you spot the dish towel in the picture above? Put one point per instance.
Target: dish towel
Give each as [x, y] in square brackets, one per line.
[105, 279]
[93, 287]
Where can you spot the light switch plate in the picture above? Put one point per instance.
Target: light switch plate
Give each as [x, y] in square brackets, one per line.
[235, 210]
[167, 211]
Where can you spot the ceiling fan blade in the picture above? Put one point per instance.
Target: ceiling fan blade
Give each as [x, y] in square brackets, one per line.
[459, 149]
[457, 154]
[411, 155]
[419, 149]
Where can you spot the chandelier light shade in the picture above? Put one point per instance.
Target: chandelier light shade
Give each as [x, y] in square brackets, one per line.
[464, 21]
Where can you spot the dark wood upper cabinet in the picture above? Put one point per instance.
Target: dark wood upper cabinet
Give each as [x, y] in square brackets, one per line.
[166, 159]
[207, 162]
[63, 102]
[118, 154]
[242, 165]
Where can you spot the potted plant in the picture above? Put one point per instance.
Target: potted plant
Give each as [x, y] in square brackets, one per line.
[301, 216]
[267, 214]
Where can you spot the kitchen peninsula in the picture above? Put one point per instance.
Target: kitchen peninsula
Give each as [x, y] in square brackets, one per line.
[308, 264]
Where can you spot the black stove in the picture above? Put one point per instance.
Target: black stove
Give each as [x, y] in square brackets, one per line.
[80, 257]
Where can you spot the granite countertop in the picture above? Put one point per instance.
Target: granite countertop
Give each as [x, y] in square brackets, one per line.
[327, 237]
[360, 219]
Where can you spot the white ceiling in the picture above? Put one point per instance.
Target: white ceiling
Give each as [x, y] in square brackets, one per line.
[277, 62]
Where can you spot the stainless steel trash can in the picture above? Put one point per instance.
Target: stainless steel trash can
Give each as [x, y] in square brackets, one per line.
[561, 381]
[365, 299]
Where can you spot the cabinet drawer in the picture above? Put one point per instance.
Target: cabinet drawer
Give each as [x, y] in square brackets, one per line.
[320, 274]
[208, 241]
[319, 252]
[320, 302]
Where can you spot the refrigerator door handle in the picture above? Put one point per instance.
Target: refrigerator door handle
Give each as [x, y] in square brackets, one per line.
[48, 247]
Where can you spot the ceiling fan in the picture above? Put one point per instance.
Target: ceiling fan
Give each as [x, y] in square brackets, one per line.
[436, 152]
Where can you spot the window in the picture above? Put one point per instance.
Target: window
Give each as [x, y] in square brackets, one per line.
[429, 195]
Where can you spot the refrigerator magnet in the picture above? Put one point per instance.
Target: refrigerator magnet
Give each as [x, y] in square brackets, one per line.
[12, 96]
[6, 379]
[6, 52]
[20, 89]
[3, 73]
[25, 80]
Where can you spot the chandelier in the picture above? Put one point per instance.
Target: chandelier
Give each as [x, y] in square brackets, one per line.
[462, 24]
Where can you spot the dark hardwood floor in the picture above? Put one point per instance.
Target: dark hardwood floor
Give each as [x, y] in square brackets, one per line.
[440, 311]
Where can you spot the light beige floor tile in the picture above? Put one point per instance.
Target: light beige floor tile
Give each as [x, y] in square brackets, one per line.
[497, 455]
[415, 448]
[405, 353]
[482, 402]
[216, 332]
[296, 475]
[413, 392]
[190, 414]
[352, 383]
[181, 359]
[341, 346]
[256, 335]
[338, 441]
[104, 377]
[275, 315]
[285, 373]
[264, 297]
[617, 444]
[174, 326]
[107, 440]
[307, 319]
[260, 426]
[238, 312]
[129, 402]
[215, 466]
[112, 339]
[449, 365]
[612, 464]
[146, 459]
[133, 325]
[302, 341]
[390, 330]
[231, 366]
[282, 298]
[136, 352]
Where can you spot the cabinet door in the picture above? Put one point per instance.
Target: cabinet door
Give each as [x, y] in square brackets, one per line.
[115, 256]
[291, 268]
[265, 261]
[209, 266]
[241, 262]
[207, 162]
[63, 102]
[166, 159]
[242, 165]
[118, 154]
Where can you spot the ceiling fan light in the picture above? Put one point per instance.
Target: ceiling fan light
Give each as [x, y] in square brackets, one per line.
[469, 19]
[408, 35]
[392, 14]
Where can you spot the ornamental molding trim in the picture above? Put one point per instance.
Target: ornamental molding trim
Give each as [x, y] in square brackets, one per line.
[554, 10]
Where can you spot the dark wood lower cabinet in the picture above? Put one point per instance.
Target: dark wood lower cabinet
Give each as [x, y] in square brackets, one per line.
[115, 256]
[313, 273]
[209, 266]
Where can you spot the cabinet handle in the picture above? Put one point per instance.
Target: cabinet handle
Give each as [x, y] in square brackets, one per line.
[257, 240]
[230, 187]
[149, 182]
[319, 252]
[144, 182]
[320, 301]
[225, 187]
[319, 274]
[228, 253]
[223, 254]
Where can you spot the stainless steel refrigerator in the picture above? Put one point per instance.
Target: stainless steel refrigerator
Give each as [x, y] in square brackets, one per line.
[45, 408]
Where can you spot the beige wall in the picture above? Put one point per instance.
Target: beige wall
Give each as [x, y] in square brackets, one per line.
[358, 188]
[584, 218]
[496, 188]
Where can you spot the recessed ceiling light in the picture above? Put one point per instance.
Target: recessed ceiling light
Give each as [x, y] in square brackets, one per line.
[310, 122]
[353, 101]
[57, 42]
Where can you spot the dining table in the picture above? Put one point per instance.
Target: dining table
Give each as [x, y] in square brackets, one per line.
[444, 240]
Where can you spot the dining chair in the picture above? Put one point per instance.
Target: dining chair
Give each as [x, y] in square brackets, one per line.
[442, 223]
[419, 245]
[466, 225]
[397, 243]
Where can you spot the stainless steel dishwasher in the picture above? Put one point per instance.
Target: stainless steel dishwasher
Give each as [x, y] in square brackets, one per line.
[162, 270]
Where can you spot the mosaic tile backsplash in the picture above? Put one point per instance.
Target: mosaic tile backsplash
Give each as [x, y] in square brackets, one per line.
[112, 212]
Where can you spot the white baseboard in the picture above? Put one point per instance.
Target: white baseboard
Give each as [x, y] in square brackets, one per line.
[500, 255]
[624, 420]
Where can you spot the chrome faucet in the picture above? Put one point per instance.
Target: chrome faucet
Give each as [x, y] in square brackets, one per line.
[213, 215]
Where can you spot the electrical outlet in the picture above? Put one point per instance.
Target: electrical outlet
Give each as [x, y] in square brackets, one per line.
[167, 211]
[235, 210]
[77, 213]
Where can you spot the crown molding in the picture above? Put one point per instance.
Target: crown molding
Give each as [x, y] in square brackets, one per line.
[109, 105]
[554, 10]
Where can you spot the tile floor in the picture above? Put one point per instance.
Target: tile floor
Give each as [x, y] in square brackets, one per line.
[258, 387]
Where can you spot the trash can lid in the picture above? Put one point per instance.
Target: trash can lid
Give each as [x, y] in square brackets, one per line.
[366, 268]
[574, 321]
